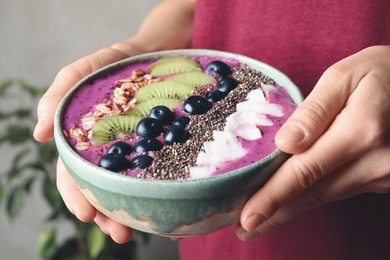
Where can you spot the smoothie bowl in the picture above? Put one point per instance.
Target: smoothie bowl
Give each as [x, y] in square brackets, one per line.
[175, 142]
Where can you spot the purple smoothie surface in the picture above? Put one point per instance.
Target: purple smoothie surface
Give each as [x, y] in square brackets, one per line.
[100, 90]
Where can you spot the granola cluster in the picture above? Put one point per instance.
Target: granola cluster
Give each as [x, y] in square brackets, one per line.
[121, 101]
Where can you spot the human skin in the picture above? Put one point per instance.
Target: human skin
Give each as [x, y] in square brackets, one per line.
[173, 33]
[340, 141]
[349, 103]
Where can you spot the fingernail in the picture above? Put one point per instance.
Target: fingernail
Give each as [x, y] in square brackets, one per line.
[291, 134]
[253, 221]
[245, 235]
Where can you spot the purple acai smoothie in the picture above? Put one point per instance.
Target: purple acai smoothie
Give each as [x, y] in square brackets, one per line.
[236, 128]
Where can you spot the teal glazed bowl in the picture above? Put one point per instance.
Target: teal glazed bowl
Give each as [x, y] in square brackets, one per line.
[174, 208]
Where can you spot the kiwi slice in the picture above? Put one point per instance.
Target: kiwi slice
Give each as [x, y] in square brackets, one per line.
[163, 89]
[173, 65]
[113, 127]
[143, 108]
[193, 78]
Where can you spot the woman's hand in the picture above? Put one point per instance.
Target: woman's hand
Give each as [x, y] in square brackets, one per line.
[65, 79]
[174, 32]
[340, 141]
[84, 211]
[168, 26]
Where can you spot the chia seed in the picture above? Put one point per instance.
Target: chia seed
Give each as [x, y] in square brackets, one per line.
[172, 162]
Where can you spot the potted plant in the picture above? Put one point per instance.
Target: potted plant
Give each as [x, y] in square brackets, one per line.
[32, 164]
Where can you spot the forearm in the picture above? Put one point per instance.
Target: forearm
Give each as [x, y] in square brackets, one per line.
[168, 26]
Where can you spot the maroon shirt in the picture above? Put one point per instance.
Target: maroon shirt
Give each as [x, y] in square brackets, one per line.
[302, 38]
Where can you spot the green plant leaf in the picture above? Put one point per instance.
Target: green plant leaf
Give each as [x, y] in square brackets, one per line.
[51, 193]
[19, 156]
[28, 183]
[46, 245]
[47, 152]
[69, 250]
[15, 134]
[13, 172]
[2, 191]
[15, 169]
[3, 115]
[22, 113]
[4, 85]
[16, 201]
[36, 166]
[33, 91]
[95, 241]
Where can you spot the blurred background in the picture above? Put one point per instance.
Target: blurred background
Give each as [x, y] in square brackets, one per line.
[38, 38]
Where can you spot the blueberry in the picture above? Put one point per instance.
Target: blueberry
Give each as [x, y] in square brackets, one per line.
[227, 84]
[196, 105]
[149, 127]
[215, 96]
[218, 68]
[182, 121]
[148, 144]
[114, 162]
[162, 113]
[120, 147]
[141, 162]
[175, 134]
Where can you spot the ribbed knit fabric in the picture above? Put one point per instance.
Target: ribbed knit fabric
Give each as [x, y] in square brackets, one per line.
[301, 38]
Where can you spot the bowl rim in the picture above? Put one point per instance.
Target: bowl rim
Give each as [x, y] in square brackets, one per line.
[123, 181]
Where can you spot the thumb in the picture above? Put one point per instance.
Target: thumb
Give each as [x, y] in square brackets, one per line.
[316, 113]
[66, 79]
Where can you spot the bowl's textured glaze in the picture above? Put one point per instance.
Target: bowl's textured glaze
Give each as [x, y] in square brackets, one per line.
[172, 208]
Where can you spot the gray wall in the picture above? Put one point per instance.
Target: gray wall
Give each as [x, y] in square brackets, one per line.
[37, 38]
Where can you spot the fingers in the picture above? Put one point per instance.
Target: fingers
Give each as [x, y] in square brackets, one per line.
[308, 199]
[332, 92]
[84, 211]
[65, 80]
[331, 151]
[369, 173]
[340, 144]
[73, 198]
[304, 182]
[118, 232]
[319, 136]
[318, 111]
[303, 132]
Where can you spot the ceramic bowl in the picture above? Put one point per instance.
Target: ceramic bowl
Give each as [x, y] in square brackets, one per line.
[171, 208]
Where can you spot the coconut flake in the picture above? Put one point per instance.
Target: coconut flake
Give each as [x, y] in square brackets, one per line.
[205, 159]
[264, 108]
[256, 95]
[243, 123]
[225, 147]
[249, 132]
[232, 122]
[256, 117]
[224, 137]
[197, 172]
[267, 88]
